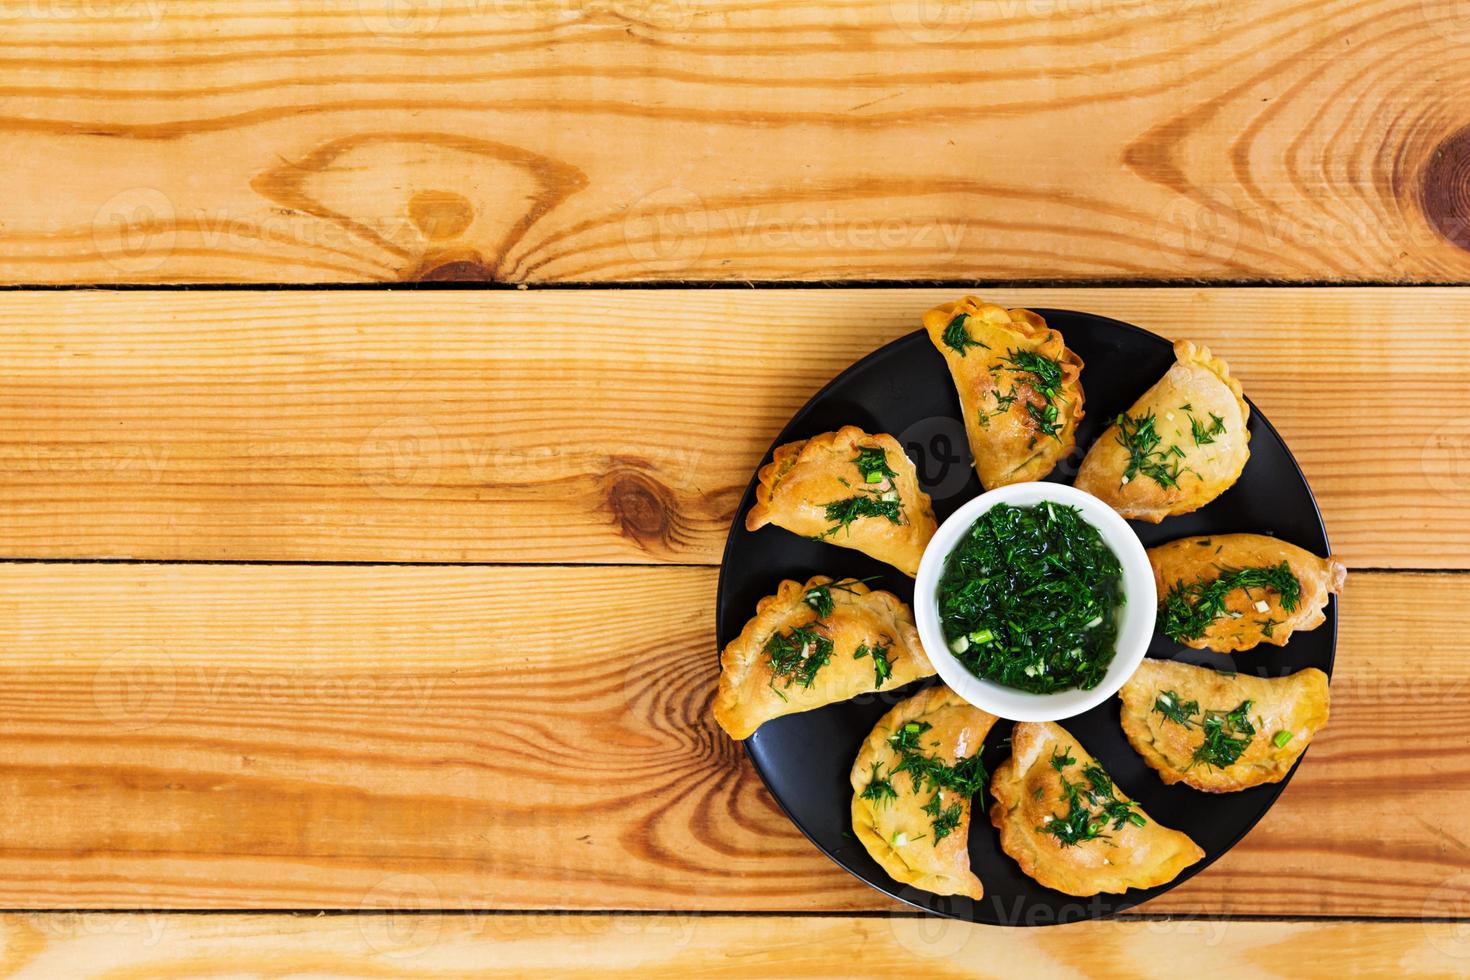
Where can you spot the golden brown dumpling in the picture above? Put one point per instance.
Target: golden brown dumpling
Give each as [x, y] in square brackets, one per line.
[914, 816]
[850, 489]
[1219, 732]
[1068, 826]
[1018, 386]
[815, 644]
[1230, 592]
[1179, 447]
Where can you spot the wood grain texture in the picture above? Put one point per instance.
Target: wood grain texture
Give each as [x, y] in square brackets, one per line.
[613, 426]
[150, 946]
[216, 736]
[521, 141]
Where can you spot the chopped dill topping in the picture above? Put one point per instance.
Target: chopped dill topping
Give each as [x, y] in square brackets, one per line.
[819, 597]
[1189, 610]
[1205, 434]
[1141, 438]
[944, 821]
[1227, 734]
[965, 777]
[872, 462]
[957, 338]
[797, 655]
[1082, 822]
[879, 790]
[1175, 710]
[843, 512]
[882, 666]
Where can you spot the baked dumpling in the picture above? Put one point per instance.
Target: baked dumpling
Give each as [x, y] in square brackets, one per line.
[850, 489]
[1018, 386]
[1219, 732]
[1230, 592]
[815, 644]
[1068, 826]
[1179, 447]
[911, 790]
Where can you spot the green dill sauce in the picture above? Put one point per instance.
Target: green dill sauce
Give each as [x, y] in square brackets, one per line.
[1030, 598]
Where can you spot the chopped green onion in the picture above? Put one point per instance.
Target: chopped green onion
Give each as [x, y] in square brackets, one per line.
[1282, 738]
[874, 477]
[982, 636]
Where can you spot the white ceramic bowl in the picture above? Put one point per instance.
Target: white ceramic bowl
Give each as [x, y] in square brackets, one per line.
[1135, 626]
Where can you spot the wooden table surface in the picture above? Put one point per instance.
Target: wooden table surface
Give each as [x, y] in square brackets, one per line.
[367, 631]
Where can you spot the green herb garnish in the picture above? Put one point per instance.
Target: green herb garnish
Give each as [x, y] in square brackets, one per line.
[1045, 417]
[1239, 719]
[879, 790]
[882, 666]
[1281, 738]
[944, 821]
[1227, 735]
[1179, 712]
[819, 597]
[1045, 374]
[872, 462]
[957, 338]
[1205, 434]
[843, 512]
[870, 500]
[965, 777]
[1189, 610]
[797, 655]
[1141, 438]
[906, 739]
[1029, 598]
[1091, 808]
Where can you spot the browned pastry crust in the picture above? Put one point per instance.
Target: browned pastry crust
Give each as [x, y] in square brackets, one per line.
[1197, 386]
[750, 694]
[1027, 790]
[1006, 438]
[898, 833]
[1245, 624]
[1297, 703]
[794, 489]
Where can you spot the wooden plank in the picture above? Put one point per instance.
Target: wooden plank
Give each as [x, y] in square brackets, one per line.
[216, 736]
[612, 426]
[141, 945]
[661, 139]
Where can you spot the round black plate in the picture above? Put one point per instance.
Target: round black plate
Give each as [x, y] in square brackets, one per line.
[905, 389]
